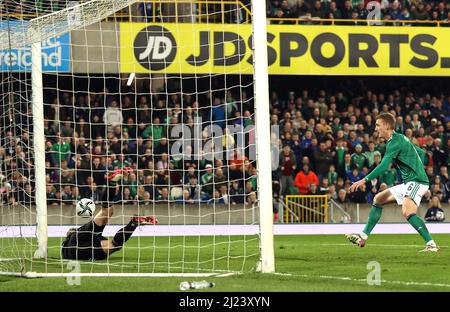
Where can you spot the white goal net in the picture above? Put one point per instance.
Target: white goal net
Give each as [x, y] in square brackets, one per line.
[165, 90]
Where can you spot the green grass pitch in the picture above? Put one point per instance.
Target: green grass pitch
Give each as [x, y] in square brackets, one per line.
[304, 263]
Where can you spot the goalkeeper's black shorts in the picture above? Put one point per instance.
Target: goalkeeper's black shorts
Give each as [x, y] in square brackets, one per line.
[84, 243]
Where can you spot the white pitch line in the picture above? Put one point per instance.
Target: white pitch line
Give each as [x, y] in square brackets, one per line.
[346, 278]
[382, 245]
[10, 259]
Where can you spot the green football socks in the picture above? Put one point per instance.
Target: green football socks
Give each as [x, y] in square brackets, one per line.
[420, 226]
[374, 217]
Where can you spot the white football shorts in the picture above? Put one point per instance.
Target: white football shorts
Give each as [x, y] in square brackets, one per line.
[413, 190]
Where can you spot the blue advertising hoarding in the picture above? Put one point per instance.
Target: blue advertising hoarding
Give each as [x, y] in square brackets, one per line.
[55, 52]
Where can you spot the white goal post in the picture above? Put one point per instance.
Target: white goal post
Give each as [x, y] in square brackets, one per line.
[27, 235]
[261, 74]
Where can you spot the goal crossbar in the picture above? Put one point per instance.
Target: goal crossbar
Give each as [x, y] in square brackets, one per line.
[54, 24]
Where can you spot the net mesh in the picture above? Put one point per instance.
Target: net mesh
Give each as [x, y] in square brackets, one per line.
[116, 95]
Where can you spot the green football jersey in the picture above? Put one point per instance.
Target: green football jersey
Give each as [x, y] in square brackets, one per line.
[405, 156]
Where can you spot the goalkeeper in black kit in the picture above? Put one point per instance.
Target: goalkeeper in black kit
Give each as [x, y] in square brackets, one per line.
[87, 241]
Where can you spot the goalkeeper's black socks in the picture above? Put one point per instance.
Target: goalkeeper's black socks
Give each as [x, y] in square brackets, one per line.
[108, 195]
[124, 234]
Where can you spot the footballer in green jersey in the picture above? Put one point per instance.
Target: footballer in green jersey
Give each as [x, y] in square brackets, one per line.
[408, 159]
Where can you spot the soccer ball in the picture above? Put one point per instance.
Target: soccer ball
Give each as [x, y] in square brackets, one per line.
[85, 207]
[439, 216]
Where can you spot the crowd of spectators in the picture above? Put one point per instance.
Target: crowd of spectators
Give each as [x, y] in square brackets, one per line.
[146, 11]
[326, 142]
[279, 11]
[390, 10]
[83, 144]
[27, 9]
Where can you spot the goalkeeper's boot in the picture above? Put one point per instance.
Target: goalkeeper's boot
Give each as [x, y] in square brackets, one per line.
[430, 248]
[151, 220]
[145, 220]
[356, 239]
